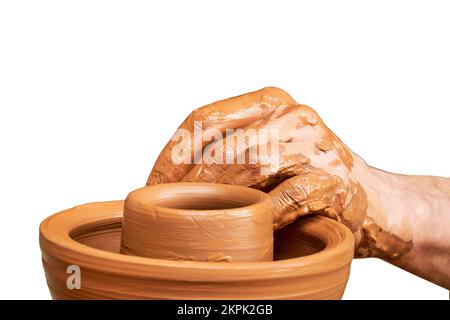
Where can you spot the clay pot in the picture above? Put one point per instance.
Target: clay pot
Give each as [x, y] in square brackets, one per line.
[312, 261]
[198, 221]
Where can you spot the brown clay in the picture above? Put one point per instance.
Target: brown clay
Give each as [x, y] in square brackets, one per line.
[198, 221]
[313, 257]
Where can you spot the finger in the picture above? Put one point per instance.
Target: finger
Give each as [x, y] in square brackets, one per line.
[235, 112]
[219, 156]
[306, 194]
[259, 152]
[268, 171]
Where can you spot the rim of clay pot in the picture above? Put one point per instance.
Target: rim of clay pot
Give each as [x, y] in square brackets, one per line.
[259, 198]
[58, 230]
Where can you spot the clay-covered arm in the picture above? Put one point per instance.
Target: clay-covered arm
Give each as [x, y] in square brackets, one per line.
[408, 221]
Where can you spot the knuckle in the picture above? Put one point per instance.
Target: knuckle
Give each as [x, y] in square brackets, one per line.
[197, 114]
[304, 110]
[277, 94]
[273, 91]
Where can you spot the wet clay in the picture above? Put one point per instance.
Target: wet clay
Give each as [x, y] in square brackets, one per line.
[198, 221]
[312, 261]
[380, 243]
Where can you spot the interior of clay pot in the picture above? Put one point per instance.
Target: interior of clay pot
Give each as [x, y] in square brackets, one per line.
[287, 243]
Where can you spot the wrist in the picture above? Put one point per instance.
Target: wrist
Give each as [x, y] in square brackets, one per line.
[386, 230]
[407, 222]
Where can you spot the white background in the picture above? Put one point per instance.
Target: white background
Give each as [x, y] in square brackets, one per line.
[90, 91]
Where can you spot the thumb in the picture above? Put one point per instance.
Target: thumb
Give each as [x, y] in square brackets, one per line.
[305, 194]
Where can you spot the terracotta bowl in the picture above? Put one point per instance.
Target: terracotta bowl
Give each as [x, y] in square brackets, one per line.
[312, 261]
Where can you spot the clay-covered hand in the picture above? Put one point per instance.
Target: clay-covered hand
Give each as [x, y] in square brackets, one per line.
[399, 218]
[311, 174]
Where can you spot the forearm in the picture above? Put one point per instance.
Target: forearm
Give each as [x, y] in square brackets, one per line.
[408, 222]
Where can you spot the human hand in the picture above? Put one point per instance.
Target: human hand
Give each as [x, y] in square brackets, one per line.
[312, 173]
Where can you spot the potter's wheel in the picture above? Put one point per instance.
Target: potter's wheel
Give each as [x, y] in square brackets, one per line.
[311, 261]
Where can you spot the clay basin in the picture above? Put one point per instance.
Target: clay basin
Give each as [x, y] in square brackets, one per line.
[312, 261]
